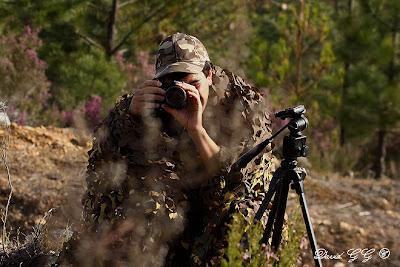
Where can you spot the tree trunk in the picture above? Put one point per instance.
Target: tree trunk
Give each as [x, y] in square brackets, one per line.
[345, 85]
[336, 5]
[343, 103]
[381, 154]
[111, 28]
[381, 149]
[299, 48]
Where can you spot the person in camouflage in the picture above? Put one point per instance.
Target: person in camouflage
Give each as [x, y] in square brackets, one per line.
[160, 179]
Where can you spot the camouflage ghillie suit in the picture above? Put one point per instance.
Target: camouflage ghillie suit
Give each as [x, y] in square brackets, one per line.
[145, 171]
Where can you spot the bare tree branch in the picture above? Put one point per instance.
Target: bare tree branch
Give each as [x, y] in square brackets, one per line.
[89, 40]
[4, 141]
[381, 21]
[145, 20]
[111, 27]
[121, 5]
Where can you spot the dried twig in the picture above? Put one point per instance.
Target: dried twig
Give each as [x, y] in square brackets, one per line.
[5, 125]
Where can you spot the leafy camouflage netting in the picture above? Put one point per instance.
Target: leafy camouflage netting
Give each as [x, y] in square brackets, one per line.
[144, 177]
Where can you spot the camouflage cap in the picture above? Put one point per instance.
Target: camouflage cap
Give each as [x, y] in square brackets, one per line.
[180, 53]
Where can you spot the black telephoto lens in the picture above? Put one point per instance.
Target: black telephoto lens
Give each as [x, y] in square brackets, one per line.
[175, 97]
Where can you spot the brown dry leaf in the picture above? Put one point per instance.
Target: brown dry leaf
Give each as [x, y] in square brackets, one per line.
[173, 215]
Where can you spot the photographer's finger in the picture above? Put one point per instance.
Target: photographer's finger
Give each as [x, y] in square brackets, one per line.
[194, 95]
[151, 97]
[151, 105]
[187, 87]
[170, 110]
[152, 90]
[154, 83]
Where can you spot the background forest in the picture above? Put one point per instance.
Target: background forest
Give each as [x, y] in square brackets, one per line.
[64, 59]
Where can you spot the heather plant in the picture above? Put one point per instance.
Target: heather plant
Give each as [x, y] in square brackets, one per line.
[256, 254]
[24, 83]
[92, 110]
[67, 118]
[135, 69]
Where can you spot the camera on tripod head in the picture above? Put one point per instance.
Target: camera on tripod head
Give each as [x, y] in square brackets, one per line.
[294, 144]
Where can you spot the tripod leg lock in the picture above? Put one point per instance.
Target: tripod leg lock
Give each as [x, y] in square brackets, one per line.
[299, 174]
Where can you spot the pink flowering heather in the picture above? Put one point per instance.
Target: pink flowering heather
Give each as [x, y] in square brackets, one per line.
[33, 56]
[93, 110]
[22, 118]
[119, 57]
[23, 75]
[129, 67]
[67, 118]
[28, 30]
[123, 65]
[144, 61]
[321, 134]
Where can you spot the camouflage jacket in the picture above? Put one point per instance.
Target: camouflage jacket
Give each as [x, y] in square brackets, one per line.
[146, 171]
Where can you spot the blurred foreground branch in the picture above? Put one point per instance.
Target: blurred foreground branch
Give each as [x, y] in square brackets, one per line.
[5, 138]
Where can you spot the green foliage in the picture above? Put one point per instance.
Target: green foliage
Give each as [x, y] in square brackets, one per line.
[24, 84]
[255, 254]
[86, 74]
[373, 89]
[291, 50]
[76, 34]
[368, 47]
[290, 252]
[234, 251]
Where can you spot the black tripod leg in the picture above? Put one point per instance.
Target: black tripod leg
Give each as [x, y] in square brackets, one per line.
[268, 197]
[280, 216]
[272, 214]
[307, 221]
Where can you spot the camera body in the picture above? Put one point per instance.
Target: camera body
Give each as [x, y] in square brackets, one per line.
[175, 97]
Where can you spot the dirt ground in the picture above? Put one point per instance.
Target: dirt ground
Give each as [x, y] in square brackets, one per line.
[47, 170]
[355, 218]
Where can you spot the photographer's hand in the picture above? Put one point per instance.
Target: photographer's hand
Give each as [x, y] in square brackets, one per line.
[146, 97]
[191, 118]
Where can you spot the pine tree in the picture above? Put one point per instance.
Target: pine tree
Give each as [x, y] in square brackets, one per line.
[373, 96]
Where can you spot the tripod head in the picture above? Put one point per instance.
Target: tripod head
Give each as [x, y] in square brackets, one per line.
[294, 144]
[298, 122]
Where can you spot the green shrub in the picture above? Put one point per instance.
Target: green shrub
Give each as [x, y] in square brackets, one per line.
[23, 82]
[244, 248]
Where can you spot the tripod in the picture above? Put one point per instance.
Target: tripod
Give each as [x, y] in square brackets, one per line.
[287, 175]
